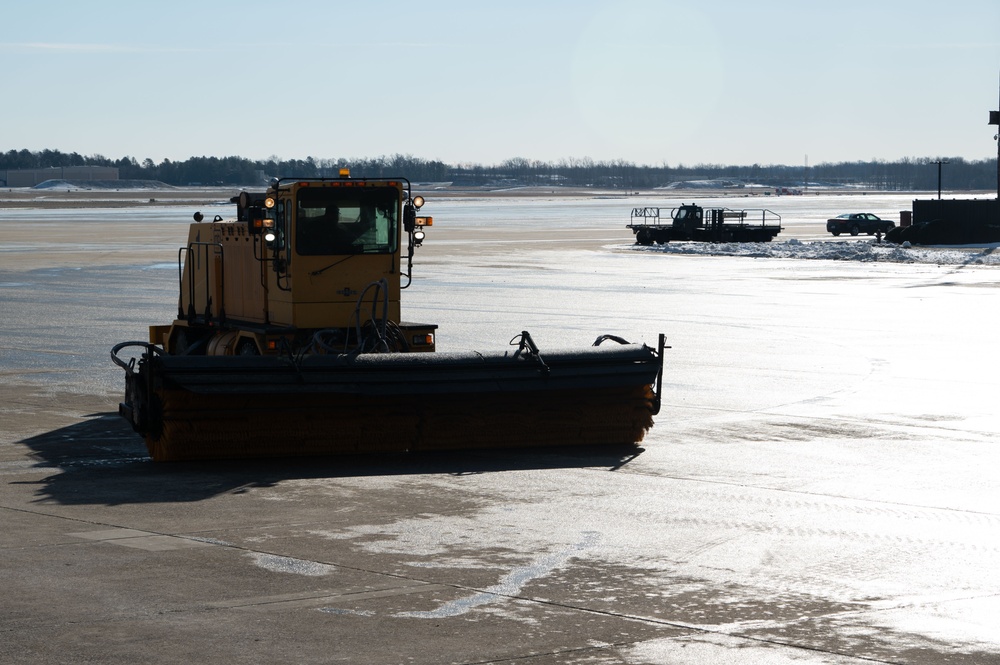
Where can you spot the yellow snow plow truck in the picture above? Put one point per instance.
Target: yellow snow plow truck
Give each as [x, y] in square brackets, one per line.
[289, 340]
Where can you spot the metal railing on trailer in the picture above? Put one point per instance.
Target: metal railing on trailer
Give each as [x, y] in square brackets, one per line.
[744, 217]
[652, 216]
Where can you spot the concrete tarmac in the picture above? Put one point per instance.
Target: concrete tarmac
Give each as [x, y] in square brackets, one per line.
[772, 515]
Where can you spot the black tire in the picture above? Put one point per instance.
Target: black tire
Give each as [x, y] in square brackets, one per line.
[247, 347]
[855, 230]
[643, 237]
[835, 233]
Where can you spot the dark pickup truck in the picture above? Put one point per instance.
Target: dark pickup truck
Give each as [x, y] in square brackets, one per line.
[858, 222]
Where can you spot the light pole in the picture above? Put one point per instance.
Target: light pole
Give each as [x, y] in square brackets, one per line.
[939, 163]
[995, 120]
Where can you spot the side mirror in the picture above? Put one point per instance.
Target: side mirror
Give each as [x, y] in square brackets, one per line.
[409, 218]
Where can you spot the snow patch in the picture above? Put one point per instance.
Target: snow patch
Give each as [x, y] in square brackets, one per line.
[860, 251]
[284, 564]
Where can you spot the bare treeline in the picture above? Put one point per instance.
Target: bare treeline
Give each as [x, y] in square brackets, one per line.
[902, 175]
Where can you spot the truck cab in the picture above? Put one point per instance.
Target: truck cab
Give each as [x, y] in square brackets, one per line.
[688, 217]
[308, 261]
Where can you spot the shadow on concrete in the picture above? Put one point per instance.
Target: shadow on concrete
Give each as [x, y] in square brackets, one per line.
[101, 461]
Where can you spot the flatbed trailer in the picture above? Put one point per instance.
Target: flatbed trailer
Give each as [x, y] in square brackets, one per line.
[694, 223]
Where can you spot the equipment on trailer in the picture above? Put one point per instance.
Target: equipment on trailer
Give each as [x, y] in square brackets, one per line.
[289, 341]
[692, 222]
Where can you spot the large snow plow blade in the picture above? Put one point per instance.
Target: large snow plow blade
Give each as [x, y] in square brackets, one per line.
[205, 407]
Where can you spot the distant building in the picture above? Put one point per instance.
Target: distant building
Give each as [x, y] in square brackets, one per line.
[32, 177]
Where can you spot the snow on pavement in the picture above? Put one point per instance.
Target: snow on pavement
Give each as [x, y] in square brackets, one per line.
[861, 251]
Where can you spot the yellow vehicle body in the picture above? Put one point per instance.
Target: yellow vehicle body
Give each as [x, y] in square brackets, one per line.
[289, 341]
[240, 294]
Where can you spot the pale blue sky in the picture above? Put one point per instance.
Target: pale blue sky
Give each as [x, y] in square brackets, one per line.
[652, 82]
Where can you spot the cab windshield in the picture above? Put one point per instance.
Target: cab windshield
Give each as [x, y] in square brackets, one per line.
[342, 220]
